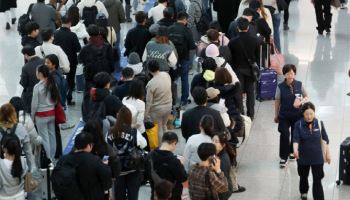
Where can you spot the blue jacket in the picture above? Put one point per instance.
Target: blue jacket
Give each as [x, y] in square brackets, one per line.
[310, 150]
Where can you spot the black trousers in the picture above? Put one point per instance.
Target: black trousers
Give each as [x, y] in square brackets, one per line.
[248, 86]
[286, 144]
[71, 82]
[286, 13]
[127, 186]
[323, 14]
[317, 175]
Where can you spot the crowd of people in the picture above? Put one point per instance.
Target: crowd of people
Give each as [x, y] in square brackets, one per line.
[112, 156]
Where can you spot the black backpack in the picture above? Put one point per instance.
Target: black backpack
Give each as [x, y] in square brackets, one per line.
[89, 15]
[64, 179]
[179, 41]
[203, 24]
[23, 21]
[92, 110]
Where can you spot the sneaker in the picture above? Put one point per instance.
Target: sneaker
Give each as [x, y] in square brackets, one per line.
[8, 26]
[328, 30]
[343, 6]
[66, 126]
[13, 21]
[71, 103]
[291, 157]
[320, 32]
[303, 196]
[283, 163]
[240, 189]
[285, 27]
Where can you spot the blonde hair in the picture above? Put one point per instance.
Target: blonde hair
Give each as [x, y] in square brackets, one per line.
[8, 115]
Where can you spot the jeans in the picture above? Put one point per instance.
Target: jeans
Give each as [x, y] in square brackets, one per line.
[276, 20]
[286, 144]
[184, 65]
[317, 175]
[248, 86]
[46, 130]
[127, 186]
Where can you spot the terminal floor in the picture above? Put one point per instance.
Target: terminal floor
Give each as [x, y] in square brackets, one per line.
[322, 64]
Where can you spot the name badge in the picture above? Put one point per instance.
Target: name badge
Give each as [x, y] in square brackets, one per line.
[316, 129]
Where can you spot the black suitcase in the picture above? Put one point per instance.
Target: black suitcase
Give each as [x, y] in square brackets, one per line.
[344, 162]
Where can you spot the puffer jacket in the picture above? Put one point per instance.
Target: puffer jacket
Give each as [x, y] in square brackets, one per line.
[80, 30]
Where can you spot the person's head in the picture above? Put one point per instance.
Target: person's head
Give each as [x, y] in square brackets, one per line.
[43, 74]
[84, 141]
[102, 80]
[212, 51]
[215, 25]
[308, 109]
[222, 76]
[163, 1]
[182, 17]
[123, 123]
[127, 74]
[41, 1]
[168, 13]
[206, 125]
[73, 14]
[206, 150]
[248, 13]
[170, 140]
[163, 190]
[66, 21]
[200, 96]
[209, 64]
[141, 17]
[221, 143]
[153, 66]
[289, 71]
[255, 5]
[18, 104]
[94, 30]
[8, 115]
[162, 36]
[11, 146]
[213, 95]
[93, 126]
[242, 24]
[52, 62]
[213, 35]
[47, 35]
[28, 51]
[32, 29]
[136, 90]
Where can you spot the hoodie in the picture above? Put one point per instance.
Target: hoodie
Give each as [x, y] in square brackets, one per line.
[112, 103]
[228, 93]
[80, 30]
[204, 42]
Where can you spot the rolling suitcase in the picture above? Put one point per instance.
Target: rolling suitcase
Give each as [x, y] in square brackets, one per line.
[344, 162]
[45, 186]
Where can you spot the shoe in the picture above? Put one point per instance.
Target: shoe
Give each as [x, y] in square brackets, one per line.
[285, 27]
[71, 103]
[8, 26]
[303, 196]
[283, 163]
[320, 32]
[129, 20]
[13, 21]
[328, 30]
[291, 157]
[184, 103]
[67, 126]
[240, 189]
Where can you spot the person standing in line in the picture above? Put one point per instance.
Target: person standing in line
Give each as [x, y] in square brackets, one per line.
[309, 133]
[288, 99]
[286, 16]
[156, 13]
[9, 8]
[32, 29]
[323, 15]
[44, 15]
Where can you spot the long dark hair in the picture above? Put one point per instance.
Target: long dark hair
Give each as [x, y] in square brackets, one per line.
[136, 90]
[18, 104]
[95, 128]
[207, 124]
[54, 60]
[123, 123]
[227, 147]
[73, 14]
[50, 83]
[13, 147]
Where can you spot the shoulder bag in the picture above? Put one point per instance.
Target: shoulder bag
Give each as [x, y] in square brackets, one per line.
[323, 143]
[253, 65]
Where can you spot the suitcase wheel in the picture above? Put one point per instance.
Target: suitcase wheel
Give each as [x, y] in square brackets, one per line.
[338, 182]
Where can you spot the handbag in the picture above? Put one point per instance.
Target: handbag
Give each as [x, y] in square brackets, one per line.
[60, 116]
[323, 143]
[30, 184]
[277, 60]
[152, 135]
[335, 3]
[253, 65]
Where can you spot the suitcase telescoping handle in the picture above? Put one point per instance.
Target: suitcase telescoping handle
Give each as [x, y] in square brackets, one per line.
[264, 60]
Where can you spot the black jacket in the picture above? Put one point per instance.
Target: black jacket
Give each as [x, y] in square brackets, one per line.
[199, 81]
[136, 40]
[239, 59]
[122, 90]
[168, 167]
[191, 118]
[28, 80]
[180, 30]
[166, 22]
[258, 26]
[69, 43]
[228, 93]
[94, 177]
[29, 41]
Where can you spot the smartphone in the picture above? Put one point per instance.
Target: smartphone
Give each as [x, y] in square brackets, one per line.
[105, 158]
[212, 160]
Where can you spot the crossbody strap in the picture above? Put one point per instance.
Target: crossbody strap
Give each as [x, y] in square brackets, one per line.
[42, 51]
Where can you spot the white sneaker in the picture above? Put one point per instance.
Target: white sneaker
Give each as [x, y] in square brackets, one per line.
[283, 163]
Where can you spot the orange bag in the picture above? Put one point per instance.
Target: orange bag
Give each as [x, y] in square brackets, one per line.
[152, 135]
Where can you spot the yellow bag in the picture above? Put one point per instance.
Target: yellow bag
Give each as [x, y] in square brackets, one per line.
[152, 135]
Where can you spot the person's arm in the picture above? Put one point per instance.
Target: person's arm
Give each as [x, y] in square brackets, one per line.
[63, 60]
[179, 170]
[304, 93]
[27, 149]
[184, 126]
[220, 122]
[191, 44]
[144, 56]
[218, 182]
[102, 9]
[172, 59]
[141, 141]
[277, 103]
[149, 101]
[24, 79]
[35, 102]
[187, 156]
[325, 138]
[296, 139]
[140, 118]
[77, 46]
[104, 174]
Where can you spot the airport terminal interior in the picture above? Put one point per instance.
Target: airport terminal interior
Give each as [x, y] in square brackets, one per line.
[322, 65]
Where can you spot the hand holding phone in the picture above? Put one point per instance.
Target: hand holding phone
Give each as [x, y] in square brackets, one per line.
[216, 164]
[105, 159]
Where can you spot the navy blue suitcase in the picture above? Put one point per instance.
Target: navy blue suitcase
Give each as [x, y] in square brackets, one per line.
[267, 85]
[344, 162]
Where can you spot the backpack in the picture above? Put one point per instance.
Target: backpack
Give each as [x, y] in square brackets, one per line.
[179, 42]
[92, 110]
[64, 179]
[23, 21]
[99, 62]
[203, 24]
[89, 15]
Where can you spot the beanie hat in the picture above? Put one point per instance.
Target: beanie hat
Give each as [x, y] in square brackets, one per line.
[209, 75]
[212, 93]
[134, 58]
[212, 51]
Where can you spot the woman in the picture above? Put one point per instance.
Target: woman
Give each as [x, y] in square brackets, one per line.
[9, 125]
[323, 15]
[13, 168]
[309, 133]
[227, 156]
[289, 96]
[206, 126]
[9, 8]
[78, 27]
[135, 98]
[161, 50]
[45, 98]
[123, 137]
[206, 78]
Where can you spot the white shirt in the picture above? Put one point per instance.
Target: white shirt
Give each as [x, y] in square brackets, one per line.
[89, 3]
[49, 48]
[137, 121]
[156, 12]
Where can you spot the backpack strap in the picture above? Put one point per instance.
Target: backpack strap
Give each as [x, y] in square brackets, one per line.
[224, 64]
[42, 51]
[13, 129]
[30, 8]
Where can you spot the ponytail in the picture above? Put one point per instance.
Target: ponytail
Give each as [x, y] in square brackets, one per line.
[228, 148]
[50, 83]
[13, 147]
[207, 124]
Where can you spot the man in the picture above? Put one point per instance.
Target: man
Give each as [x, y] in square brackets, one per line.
[44, 15]
[137, 37]
[195, 13]
[242, 47]
[122, 89]
[48, 48]
[156, 13]
[206, 179]
[69, 42]
[182, 38]
[167, 165]
[192, 117]
[32, 29]
[248, 14]
[168, 18]
[28, 75]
